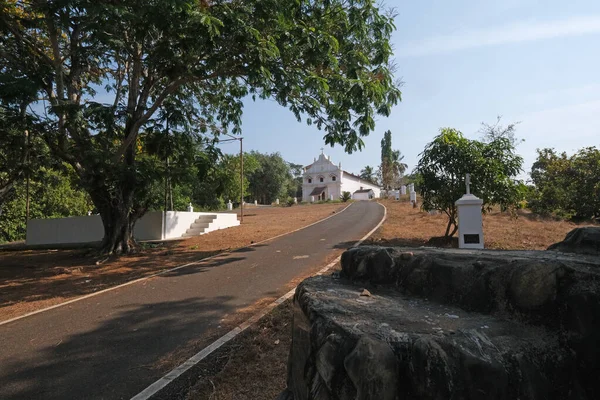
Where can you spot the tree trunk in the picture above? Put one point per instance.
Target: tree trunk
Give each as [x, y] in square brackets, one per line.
[118, 210]
[451, 224]
[118, 230]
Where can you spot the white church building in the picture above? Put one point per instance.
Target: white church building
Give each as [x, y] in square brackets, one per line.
[323, 180]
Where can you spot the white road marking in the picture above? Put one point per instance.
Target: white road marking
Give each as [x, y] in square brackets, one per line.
[202, 260]
[300, 257]
[202, 354]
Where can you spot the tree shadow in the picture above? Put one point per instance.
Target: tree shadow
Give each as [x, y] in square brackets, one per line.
[248, 249]
[395, 242]
[117, 359]
[35, 276]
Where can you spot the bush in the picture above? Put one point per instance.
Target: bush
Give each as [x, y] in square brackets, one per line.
[566, 187]
[290, 202]
[345, 196]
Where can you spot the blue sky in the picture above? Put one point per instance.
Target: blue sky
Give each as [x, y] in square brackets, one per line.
[465, 62]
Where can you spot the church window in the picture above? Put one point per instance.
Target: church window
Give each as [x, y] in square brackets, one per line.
[333, 178]
[321, 179]
[309, 180]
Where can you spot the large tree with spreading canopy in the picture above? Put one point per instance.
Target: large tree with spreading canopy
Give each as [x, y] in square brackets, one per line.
[103, 70]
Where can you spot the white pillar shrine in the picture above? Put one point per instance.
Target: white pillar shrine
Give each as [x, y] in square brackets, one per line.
[470, 220]
[229, 206]
[403, 189]
[413, 194]
[277, 201]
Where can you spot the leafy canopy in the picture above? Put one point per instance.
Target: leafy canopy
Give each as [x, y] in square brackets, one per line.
[566, 186]
[441, 171]
[328, 61]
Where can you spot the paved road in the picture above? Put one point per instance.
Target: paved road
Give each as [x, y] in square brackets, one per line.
[103, 347]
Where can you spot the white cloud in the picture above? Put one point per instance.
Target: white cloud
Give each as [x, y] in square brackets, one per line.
[514, 33]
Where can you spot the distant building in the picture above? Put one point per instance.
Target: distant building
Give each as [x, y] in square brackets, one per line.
[323, 180]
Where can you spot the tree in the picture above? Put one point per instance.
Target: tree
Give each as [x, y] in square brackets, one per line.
[221, 183]
[54, 196]
[368, 174]
[450, 156]
[271, 179]
[328, 61]
[295, 185]
[398, 167]
[392, 168]
[564, 186]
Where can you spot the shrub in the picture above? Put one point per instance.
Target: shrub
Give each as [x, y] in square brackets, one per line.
[345, 196]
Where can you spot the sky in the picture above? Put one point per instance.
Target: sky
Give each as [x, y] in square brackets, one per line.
[464, 62]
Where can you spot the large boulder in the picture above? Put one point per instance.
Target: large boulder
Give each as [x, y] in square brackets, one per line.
[448, 324]
[585, 240]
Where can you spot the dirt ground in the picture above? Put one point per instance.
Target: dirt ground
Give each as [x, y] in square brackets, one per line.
[253, 366]
[408, 226]
[34, 279]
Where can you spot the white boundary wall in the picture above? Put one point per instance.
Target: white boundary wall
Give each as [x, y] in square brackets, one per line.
[152, 226]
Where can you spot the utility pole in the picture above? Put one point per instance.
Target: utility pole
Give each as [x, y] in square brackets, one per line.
[167, 166]
[241, 181]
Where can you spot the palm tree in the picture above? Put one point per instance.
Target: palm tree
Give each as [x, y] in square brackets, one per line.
[368, 174]
[398, 167]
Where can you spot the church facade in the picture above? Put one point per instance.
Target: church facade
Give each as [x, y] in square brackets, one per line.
[323, 180]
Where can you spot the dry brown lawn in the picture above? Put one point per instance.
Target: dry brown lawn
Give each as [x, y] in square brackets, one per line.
[34, 279]
[251, 367]
[408, 226]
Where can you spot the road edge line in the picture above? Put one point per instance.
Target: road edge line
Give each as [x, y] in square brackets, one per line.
[87, 296]
[164, 381]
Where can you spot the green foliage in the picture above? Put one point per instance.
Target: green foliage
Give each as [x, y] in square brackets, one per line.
[566, 187]
[391, 169]
[52, 195]
[345, 196]
[327, 61]
[272, 179]
[290, 201]
[222, 183]
[493, 166]
[368, 174]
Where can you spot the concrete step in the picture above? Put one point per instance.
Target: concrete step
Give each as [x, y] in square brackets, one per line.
[195, 231]
[200, 224]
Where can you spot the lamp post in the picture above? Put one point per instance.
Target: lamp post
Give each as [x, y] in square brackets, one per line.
[241, 181]
[241, 139]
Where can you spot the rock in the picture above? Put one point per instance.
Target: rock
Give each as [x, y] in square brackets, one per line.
[373, 369]
[585, 240]
[449, 324]
[365, 292]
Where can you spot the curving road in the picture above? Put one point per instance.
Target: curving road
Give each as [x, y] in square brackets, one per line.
[112, 346]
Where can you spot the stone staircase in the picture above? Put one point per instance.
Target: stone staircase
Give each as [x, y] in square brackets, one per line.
[200, 226]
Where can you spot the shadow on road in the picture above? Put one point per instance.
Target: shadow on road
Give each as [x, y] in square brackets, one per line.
[63, 370]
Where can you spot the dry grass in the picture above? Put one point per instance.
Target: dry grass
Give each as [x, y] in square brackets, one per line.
[253, 366]
[34, 279]
[407, 226]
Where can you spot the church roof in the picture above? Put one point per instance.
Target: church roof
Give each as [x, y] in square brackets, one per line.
[318, 191]
[364, 191]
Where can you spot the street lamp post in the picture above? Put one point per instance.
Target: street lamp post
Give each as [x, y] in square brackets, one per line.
[241, 181]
